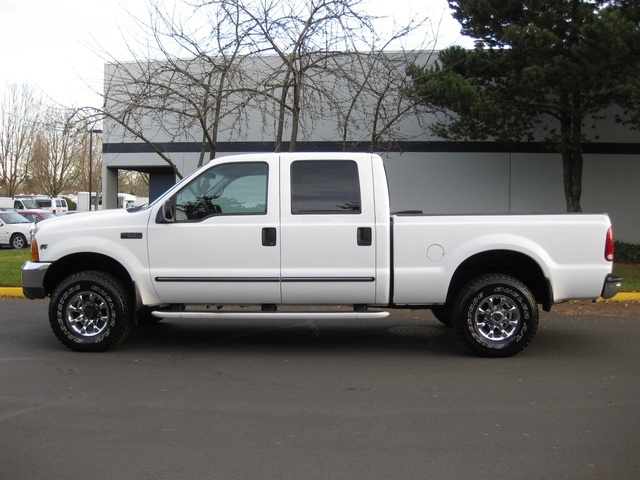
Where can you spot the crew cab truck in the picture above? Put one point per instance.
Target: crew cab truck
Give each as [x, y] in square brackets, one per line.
[246, 235]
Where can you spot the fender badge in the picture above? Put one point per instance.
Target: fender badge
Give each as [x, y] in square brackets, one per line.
[131, 235]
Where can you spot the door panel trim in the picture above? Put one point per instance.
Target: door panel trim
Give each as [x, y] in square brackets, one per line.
[218, 279]
[328, 279]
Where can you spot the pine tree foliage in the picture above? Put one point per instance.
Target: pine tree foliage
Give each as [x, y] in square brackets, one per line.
[541, 70]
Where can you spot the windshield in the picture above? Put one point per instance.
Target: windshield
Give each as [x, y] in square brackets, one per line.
[11, 217]
[29, 203]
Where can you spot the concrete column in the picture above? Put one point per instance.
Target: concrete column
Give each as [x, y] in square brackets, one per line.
[109, 187]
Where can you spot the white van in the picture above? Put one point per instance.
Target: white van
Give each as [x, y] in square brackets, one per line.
[17, 203]
[54, 205]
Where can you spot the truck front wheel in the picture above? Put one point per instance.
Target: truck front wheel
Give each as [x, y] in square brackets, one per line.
[90, 312]
[495, 316]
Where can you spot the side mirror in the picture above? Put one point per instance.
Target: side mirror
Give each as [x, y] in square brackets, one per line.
[167, 213]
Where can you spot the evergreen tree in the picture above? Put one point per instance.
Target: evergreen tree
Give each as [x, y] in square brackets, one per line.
[540, 67]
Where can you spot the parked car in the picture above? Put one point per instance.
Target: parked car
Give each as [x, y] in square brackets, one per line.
[15, 230]
[36, 215]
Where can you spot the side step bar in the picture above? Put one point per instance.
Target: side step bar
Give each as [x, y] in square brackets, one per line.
[231, 315]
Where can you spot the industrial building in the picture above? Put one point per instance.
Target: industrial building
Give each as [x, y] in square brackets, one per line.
[425, 172]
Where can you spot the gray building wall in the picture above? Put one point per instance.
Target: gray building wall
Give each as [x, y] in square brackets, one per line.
[431, 175]
[456, 183]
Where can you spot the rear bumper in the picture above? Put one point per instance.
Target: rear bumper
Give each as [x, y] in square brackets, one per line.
[612, 285]
[33, 274]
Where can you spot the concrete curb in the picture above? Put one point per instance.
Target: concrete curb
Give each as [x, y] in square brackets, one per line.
[16, 292]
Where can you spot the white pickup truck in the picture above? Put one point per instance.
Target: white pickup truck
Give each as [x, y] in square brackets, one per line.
[265, 231]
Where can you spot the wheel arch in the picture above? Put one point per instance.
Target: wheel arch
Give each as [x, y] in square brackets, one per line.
[507, 262]
[77, 262]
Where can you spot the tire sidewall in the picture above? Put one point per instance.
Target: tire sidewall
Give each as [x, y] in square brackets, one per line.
[474, 294]
[106, 287]
[15, 238]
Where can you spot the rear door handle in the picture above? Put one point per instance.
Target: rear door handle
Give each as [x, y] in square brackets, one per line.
[269, 237]
[364, 236]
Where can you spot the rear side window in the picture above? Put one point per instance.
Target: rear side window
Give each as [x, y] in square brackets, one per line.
[325, 187]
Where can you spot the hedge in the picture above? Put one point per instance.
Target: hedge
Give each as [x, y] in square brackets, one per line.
[627, 252]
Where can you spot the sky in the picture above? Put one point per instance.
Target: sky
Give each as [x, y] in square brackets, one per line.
[58, 46]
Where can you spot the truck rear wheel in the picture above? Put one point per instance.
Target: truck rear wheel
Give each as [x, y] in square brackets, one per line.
[495, 316]
[90, 312]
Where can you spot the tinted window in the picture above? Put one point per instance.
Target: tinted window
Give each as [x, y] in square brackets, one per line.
[228, 189]
[325, 187]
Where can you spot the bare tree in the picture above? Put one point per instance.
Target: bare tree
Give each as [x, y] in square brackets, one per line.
[134, 183]
[374, 86]
[210, 66]
[59, 152]
[19, 115]
[189, 91]
[304, 37]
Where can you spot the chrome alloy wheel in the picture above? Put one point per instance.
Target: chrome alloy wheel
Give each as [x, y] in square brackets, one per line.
[88, 314]
[497, 318]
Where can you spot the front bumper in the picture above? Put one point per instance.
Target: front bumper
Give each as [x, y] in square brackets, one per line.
[612, 285]
[33, 274]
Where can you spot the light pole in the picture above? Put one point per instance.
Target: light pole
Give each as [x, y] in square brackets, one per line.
[91, 132]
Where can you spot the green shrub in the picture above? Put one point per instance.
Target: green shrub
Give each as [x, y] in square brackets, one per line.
[627, 252]
[71, 204]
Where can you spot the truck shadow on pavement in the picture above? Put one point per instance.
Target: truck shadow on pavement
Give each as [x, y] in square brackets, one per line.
[299, 336]
[562, 334]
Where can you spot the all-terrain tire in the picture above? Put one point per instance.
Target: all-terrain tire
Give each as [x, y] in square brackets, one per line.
[495, 315]
[90, 311]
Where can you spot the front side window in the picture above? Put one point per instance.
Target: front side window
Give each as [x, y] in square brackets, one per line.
[325, 187]
[227, 189]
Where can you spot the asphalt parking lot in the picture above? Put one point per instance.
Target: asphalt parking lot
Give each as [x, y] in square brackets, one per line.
[392, 399]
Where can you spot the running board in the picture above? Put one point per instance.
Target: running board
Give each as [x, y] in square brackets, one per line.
[231, 315]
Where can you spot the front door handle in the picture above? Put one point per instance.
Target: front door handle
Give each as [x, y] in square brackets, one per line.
[365, 237]
[269, 237]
